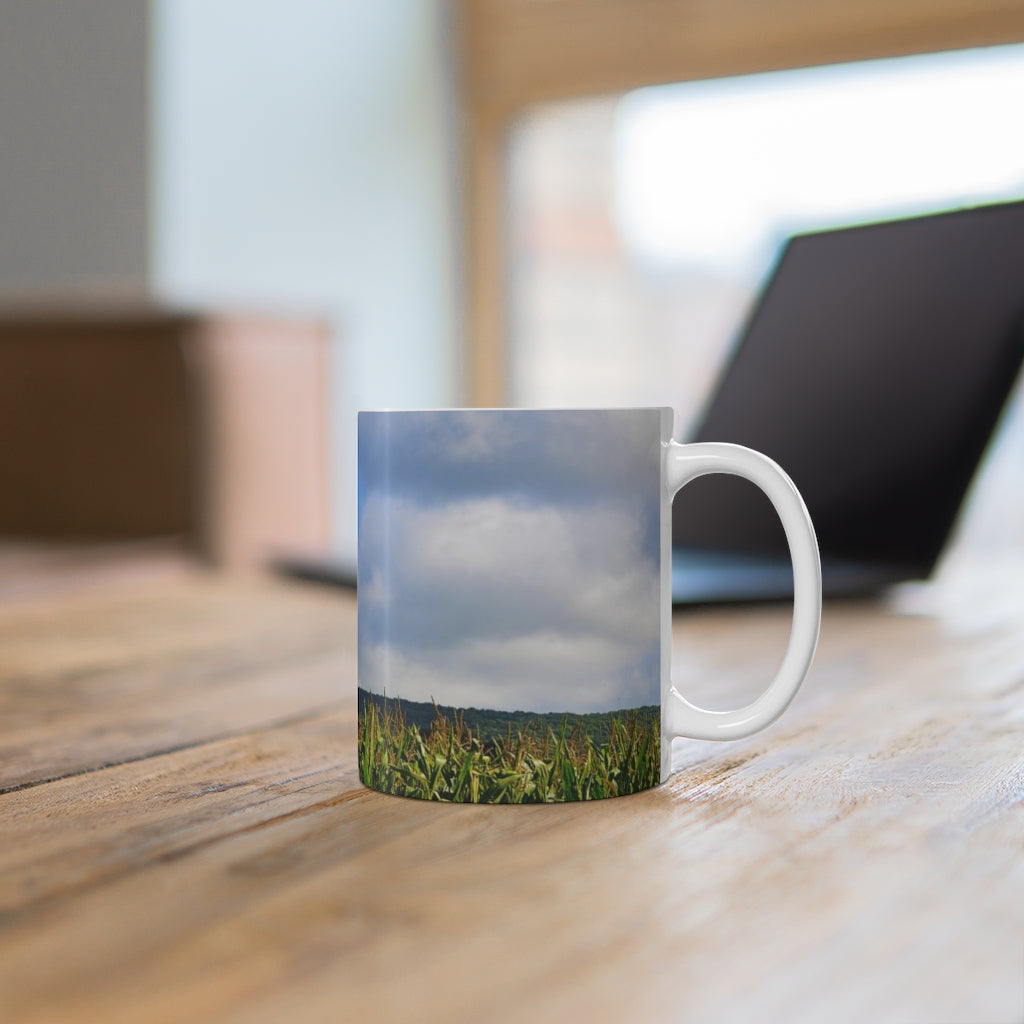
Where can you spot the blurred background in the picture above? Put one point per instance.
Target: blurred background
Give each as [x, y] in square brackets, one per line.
[227, 226]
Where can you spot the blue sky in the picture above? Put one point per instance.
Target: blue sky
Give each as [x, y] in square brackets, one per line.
[511, 560]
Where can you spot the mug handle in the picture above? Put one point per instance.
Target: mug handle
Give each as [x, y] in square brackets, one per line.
[686, 462]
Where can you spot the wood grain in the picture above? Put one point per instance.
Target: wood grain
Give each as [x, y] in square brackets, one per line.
[523, 52]
[137, 814]
[179, 664]
[860, 860]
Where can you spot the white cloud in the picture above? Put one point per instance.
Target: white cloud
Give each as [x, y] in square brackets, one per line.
[584, 565]
[544, 671]
[500, 603]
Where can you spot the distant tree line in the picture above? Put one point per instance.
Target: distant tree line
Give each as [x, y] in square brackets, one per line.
[490, 724]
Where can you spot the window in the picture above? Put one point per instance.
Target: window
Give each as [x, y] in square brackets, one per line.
[641, 226]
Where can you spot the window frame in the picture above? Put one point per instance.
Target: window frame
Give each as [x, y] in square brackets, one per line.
[518, 53]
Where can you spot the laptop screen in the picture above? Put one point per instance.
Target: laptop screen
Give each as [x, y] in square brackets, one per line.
[873, 370]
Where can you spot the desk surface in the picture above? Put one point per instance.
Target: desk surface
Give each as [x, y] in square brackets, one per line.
[183, 836]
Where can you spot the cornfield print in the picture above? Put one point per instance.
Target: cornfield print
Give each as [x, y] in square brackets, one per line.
[509, 604]
[538, 761]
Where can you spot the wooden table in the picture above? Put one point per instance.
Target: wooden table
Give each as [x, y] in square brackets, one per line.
[183, 836]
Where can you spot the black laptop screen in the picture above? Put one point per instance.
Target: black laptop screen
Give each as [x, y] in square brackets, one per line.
[873, 370]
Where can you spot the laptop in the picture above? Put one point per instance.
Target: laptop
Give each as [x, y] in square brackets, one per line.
[873, 369]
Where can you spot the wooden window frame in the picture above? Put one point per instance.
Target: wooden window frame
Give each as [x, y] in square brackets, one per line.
[517, 53]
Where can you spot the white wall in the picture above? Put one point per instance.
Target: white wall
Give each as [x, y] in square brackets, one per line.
[303, 159]
[73, 148]
[255, 154]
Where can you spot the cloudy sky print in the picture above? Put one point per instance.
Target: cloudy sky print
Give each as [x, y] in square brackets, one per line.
[511, 560]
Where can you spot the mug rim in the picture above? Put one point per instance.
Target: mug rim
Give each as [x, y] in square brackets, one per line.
[528, 408]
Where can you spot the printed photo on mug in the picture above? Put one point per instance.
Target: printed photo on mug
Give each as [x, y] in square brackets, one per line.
[510, 603]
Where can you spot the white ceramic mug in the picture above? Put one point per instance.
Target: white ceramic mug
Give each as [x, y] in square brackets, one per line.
[515, 607]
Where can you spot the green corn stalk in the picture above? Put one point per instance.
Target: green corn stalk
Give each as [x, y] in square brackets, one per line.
[449, 762]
